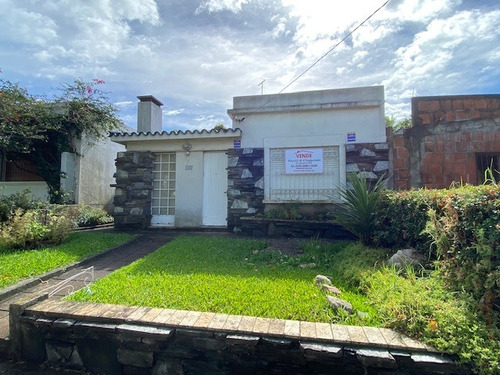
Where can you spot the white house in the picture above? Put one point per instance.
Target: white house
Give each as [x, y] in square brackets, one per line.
[282, 148]
[86, 174]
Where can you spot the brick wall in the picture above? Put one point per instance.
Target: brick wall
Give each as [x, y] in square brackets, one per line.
[448, 133]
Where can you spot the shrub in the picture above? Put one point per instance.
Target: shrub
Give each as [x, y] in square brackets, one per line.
[33, 228]
[21, 199]
[286, 211]
[358, 213]
[85, 215]
[467, 239]
[422, 308]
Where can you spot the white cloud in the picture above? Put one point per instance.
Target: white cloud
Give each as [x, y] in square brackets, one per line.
[221, 5]
[174, 112]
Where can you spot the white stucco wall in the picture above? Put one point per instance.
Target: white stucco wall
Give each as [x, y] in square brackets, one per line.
[316, 114]
[94, 170]
[38, 189]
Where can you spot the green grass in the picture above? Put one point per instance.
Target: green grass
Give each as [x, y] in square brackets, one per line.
[16, 265]
[233, 276]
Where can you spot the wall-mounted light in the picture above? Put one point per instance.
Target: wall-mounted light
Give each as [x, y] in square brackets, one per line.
[187, 147]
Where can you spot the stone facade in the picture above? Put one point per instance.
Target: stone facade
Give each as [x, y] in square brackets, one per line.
[442, 146]
[134, 184]
[369, 160]
[245, 184]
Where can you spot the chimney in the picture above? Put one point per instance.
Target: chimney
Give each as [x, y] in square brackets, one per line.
[149, 116]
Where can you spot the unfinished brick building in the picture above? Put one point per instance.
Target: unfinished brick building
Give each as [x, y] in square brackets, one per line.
[453, 139]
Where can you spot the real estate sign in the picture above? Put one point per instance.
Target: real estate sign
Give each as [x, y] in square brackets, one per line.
[304, 160]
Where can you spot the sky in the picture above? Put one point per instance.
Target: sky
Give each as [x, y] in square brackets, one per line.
[196, 55]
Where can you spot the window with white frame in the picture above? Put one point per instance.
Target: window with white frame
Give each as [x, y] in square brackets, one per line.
[163, 200]
[294, 179]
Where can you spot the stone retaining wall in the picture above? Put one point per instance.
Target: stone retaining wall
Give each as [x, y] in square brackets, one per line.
[115, 339]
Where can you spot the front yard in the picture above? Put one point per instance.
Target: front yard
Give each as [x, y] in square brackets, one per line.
[239, 277]
[16, 265]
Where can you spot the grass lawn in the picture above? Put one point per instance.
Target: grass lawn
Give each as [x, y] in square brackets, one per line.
[241, 277]
[16, 265]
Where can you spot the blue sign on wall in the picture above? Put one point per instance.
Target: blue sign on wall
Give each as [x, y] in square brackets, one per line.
[237, 143]
[351, 136]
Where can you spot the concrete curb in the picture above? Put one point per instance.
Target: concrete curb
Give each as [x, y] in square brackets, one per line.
[33, 281]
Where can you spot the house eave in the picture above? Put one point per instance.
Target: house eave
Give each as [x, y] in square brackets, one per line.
[124, 138]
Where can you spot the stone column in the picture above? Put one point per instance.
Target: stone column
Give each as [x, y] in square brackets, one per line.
[133, 188]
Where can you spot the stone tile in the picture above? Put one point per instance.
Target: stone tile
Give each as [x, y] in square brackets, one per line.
[177, 317]
[204, 320]
[308, 330]
[292, 328]
[232, 323]
[138, 313]
[218, 321]
[53, 305]
[246, 324]
[150, 315]
[357, 335]
[324, 331]
[164, 316]
[261, 325]
[276, 326]
[190, 318]
[374, 336]
[413, 344]
[119, 312]
[393, 338]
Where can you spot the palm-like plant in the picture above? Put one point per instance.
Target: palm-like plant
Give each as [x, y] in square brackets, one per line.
[357, 213]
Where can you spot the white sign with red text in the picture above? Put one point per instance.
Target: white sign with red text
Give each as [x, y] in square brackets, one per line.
[304, 160]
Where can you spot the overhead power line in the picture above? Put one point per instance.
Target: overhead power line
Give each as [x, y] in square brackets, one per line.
[320, 58]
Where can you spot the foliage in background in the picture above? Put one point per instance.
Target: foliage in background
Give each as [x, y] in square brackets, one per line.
[285, 211]
[16, 265]
[358, 212]
[22, 199]
[39, 130]
[85, 215]
[33, 228]
[466, 237]
[423, 308]
[391, 122]
[402, 215]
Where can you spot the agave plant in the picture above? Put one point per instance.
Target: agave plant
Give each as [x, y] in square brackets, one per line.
[358, 211]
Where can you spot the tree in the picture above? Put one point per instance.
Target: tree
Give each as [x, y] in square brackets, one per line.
[390, 122]
[38, 130]
[219, 126]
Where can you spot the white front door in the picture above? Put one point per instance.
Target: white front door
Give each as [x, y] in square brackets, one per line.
[163, 199]
[215, 188]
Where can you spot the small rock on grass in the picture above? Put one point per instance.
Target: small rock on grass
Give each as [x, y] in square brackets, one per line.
[320, 279]
[338, 303]
[331, 289]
